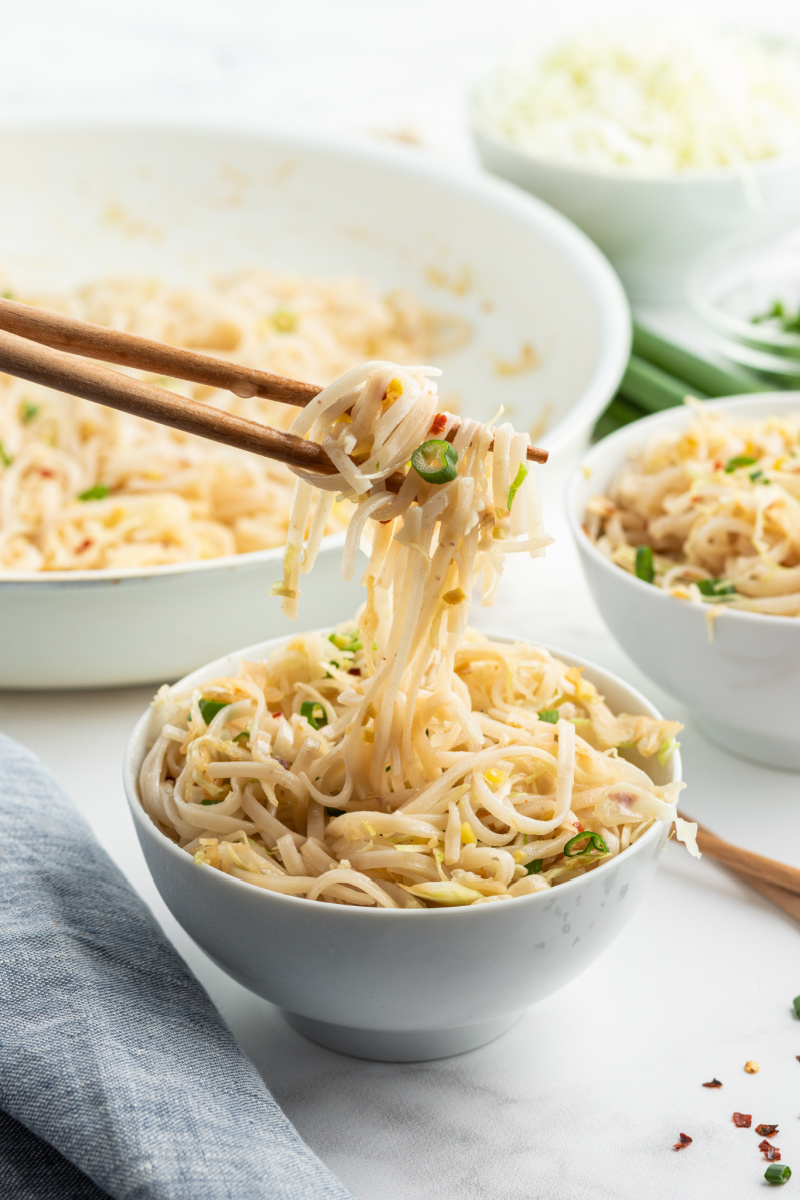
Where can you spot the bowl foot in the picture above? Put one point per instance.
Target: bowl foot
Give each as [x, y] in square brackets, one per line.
[770, 751]
[415, 1045]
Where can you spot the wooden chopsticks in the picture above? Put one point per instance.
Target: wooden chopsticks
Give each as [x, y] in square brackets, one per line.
[38, 345]
[775, 881]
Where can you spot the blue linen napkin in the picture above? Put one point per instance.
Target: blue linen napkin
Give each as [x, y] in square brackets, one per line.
[117, 1075]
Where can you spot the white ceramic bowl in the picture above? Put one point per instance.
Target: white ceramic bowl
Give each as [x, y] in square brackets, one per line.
[743, 683]
[409, 984]
[652, 227]
[79, 202]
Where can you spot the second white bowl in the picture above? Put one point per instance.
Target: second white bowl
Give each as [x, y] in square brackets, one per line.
[741, 675]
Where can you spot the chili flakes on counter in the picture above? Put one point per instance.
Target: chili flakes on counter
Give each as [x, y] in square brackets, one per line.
[743, 1120]
[684, 1141]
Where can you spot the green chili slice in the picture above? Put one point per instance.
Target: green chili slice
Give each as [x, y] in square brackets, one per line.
[519, 479]
[243, 736]
[210, 708]
[777, 1173]
[98, 492]
[314, 713]
[533, 868]
[550, 715]
[796, 1006]
[739, 460]
[644, 564]
[435, 461]
[593, 842]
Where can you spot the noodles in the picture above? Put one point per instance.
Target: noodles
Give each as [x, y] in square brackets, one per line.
[83, 487]
[719, 507]
[405, 761]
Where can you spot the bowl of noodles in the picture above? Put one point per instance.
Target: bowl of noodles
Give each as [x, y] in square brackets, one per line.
[687, 526]
[415, 977]
[128, 552]
[339, 798]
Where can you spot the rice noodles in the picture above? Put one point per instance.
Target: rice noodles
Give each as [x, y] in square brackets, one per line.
[404, 760]
[719, 506]
[83, 487]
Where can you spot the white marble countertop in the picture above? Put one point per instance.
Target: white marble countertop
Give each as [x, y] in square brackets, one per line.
[584, 1098]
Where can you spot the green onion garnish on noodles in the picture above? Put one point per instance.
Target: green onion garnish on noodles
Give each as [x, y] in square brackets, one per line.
[27, 411]
[533, 868]
[550, 715]
[345, 641]
[796, 1006]
[314, 713]
[519, 479]
[98, 492]
[777, 1173]
[435, 461]
[715, 588]
[5, 458]
[210, 708]
[243, 736]
[593, 841]
[644, 564]
[284, 321]
[207, 802]
[739, 460]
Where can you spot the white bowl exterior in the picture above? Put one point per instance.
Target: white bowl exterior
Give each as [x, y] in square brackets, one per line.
[398, 973]
[82, 202]
[652, 229]
[741, 675]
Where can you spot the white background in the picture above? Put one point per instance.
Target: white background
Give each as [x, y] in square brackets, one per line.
[583, 1100]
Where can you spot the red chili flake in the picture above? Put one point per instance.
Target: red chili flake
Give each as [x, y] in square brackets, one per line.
[713, 1083]
[354, 671]
[771, 1153]
[797, 1056]
[685, 1140]
[85, 544]
[767, 1130]
[579, 827]
[743, 1120]
[276, 714]
[45, 474]
[439, 422]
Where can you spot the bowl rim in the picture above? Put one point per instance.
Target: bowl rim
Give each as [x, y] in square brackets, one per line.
[640, 431]
[144, 822]
[560, 235]
[732, 173]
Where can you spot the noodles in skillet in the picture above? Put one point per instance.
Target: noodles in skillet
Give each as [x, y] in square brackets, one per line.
[711, 514]
[405, 761]
[83, 487]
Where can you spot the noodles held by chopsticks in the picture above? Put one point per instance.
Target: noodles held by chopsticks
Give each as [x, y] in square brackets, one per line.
[405, 760]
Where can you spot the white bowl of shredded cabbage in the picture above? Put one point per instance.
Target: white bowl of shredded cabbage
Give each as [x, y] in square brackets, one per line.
[656, 138]
[396, 983]
[688, 528]
[128, 553]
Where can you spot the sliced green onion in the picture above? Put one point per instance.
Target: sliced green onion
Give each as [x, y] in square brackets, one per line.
[435, 461]
[667, 750]
[593, 842]
[5, 459]
[739, 460]
[243, 736]
[550, 715]
[519, 479]
[346, 641]
[98, 492]
[284, 321]
[644, 564]
[314, 713]
[210, 708]
[7, 295]
[27, 411]
[777, 1173]
[796, 1006]
[533, 868]
[756, 475]
[715, 588]
[207, 802]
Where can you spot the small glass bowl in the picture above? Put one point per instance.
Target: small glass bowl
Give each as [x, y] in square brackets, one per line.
[741, 278]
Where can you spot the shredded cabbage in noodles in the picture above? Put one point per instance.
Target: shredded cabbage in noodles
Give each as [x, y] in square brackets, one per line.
[152, 495]
[719, 504]
[655, 97]
[405, 761]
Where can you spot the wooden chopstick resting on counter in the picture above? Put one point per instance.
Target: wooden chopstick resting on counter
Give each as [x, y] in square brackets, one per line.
[776, 881]
[71, 336]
